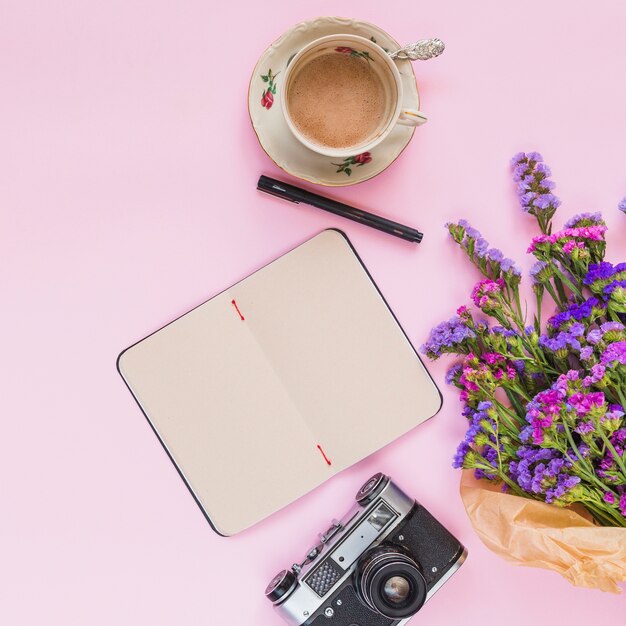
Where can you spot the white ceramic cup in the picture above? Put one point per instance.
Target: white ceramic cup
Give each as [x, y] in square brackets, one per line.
[381, 62]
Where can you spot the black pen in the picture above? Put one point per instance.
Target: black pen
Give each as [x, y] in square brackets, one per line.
[297, 195]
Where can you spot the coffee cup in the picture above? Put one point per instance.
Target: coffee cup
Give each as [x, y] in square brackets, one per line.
[342, 95]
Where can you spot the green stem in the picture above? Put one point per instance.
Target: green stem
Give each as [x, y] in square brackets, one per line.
[550, 290]
[589, 473]
[568, 282]
[606, 516]
[561, 291]
[538, 315]
[609, 445]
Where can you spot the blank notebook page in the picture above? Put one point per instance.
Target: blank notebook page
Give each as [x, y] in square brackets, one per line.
[253, 410]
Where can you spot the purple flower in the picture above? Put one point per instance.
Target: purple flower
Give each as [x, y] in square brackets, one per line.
[616, 412]
[481, 246]
[584, 310]
[495, 255]
[615, 352]
[542, 471]
[612, 286]
[470, 230]
[584, 219]
[622, 206]
[558, 320]
[578, 312]
[560, 344]
[564, 484]
[594, 336]
[609, 497]
[447, 337]
[533, 184]
[577, 329]
[478, 248]
[584, 428]
[519, 365]
[608, 327]
[453, 373]
[599, 271]
[509, 266]
[505, 332]
[586, 353]
[460, 454]
[537, 270]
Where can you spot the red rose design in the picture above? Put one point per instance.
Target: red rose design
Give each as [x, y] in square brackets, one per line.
[343, 49]
[268, 99]
[362, 159]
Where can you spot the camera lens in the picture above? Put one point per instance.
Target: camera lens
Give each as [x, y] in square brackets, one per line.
[397, 589]
[390, 582]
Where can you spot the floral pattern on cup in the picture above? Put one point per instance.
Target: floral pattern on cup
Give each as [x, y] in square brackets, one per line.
[362, 54]
[267, 99]
[353, 161]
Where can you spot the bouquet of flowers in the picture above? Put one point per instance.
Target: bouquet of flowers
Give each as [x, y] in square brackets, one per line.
[545, 402]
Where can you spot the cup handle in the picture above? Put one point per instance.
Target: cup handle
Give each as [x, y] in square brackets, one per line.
[411, 117]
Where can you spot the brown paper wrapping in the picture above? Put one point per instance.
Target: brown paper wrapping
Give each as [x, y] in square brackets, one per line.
[536, 534]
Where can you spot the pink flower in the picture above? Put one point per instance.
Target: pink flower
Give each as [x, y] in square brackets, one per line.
[363, 158]
[538, 240]
[608, 497]
[593, 233]
[343, 49]
[268, 99]
[571, 245]
[485, 293]
[492, 358]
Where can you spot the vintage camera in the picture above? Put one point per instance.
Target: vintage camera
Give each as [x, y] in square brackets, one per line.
[375, 567]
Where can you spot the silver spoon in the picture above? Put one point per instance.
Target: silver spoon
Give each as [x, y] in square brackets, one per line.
[421, 50]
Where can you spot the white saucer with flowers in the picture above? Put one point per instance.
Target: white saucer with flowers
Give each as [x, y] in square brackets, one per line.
[270, 126]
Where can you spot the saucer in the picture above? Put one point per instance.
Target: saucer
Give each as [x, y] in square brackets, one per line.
[276, 138]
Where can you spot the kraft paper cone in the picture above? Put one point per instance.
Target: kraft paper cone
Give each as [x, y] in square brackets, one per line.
[536, 534]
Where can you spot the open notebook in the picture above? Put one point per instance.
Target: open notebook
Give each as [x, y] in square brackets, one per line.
[266, 390]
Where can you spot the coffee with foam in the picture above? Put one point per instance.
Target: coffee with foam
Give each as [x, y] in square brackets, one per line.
[338, 99]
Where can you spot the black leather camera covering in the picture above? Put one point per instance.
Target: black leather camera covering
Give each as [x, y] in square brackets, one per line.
[351, 612]
[430, 544]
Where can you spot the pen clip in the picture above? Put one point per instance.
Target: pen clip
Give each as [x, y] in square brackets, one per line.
[276, 190]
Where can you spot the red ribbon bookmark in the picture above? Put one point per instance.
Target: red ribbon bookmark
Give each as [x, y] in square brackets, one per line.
[324, 455]
[238, 311]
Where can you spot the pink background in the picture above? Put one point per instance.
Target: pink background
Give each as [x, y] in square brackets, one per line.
[127, 196]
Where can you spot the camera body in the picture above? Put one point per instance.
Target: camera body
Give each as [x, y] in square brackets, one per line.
[376, 566]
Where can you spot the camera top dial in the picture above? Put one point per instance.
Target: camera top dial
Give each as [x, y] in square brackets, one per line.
[371, 489]
[281, 586]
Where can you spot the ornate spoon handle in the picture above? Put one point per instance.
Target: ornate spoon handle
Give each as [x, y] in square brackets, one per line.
[421, 50]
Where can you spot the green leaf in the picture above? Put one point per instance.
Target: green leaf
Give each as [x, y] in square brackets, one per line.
[265, 78]
[273, 89]
[339, 170]
[348, 171]
[373, 39]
